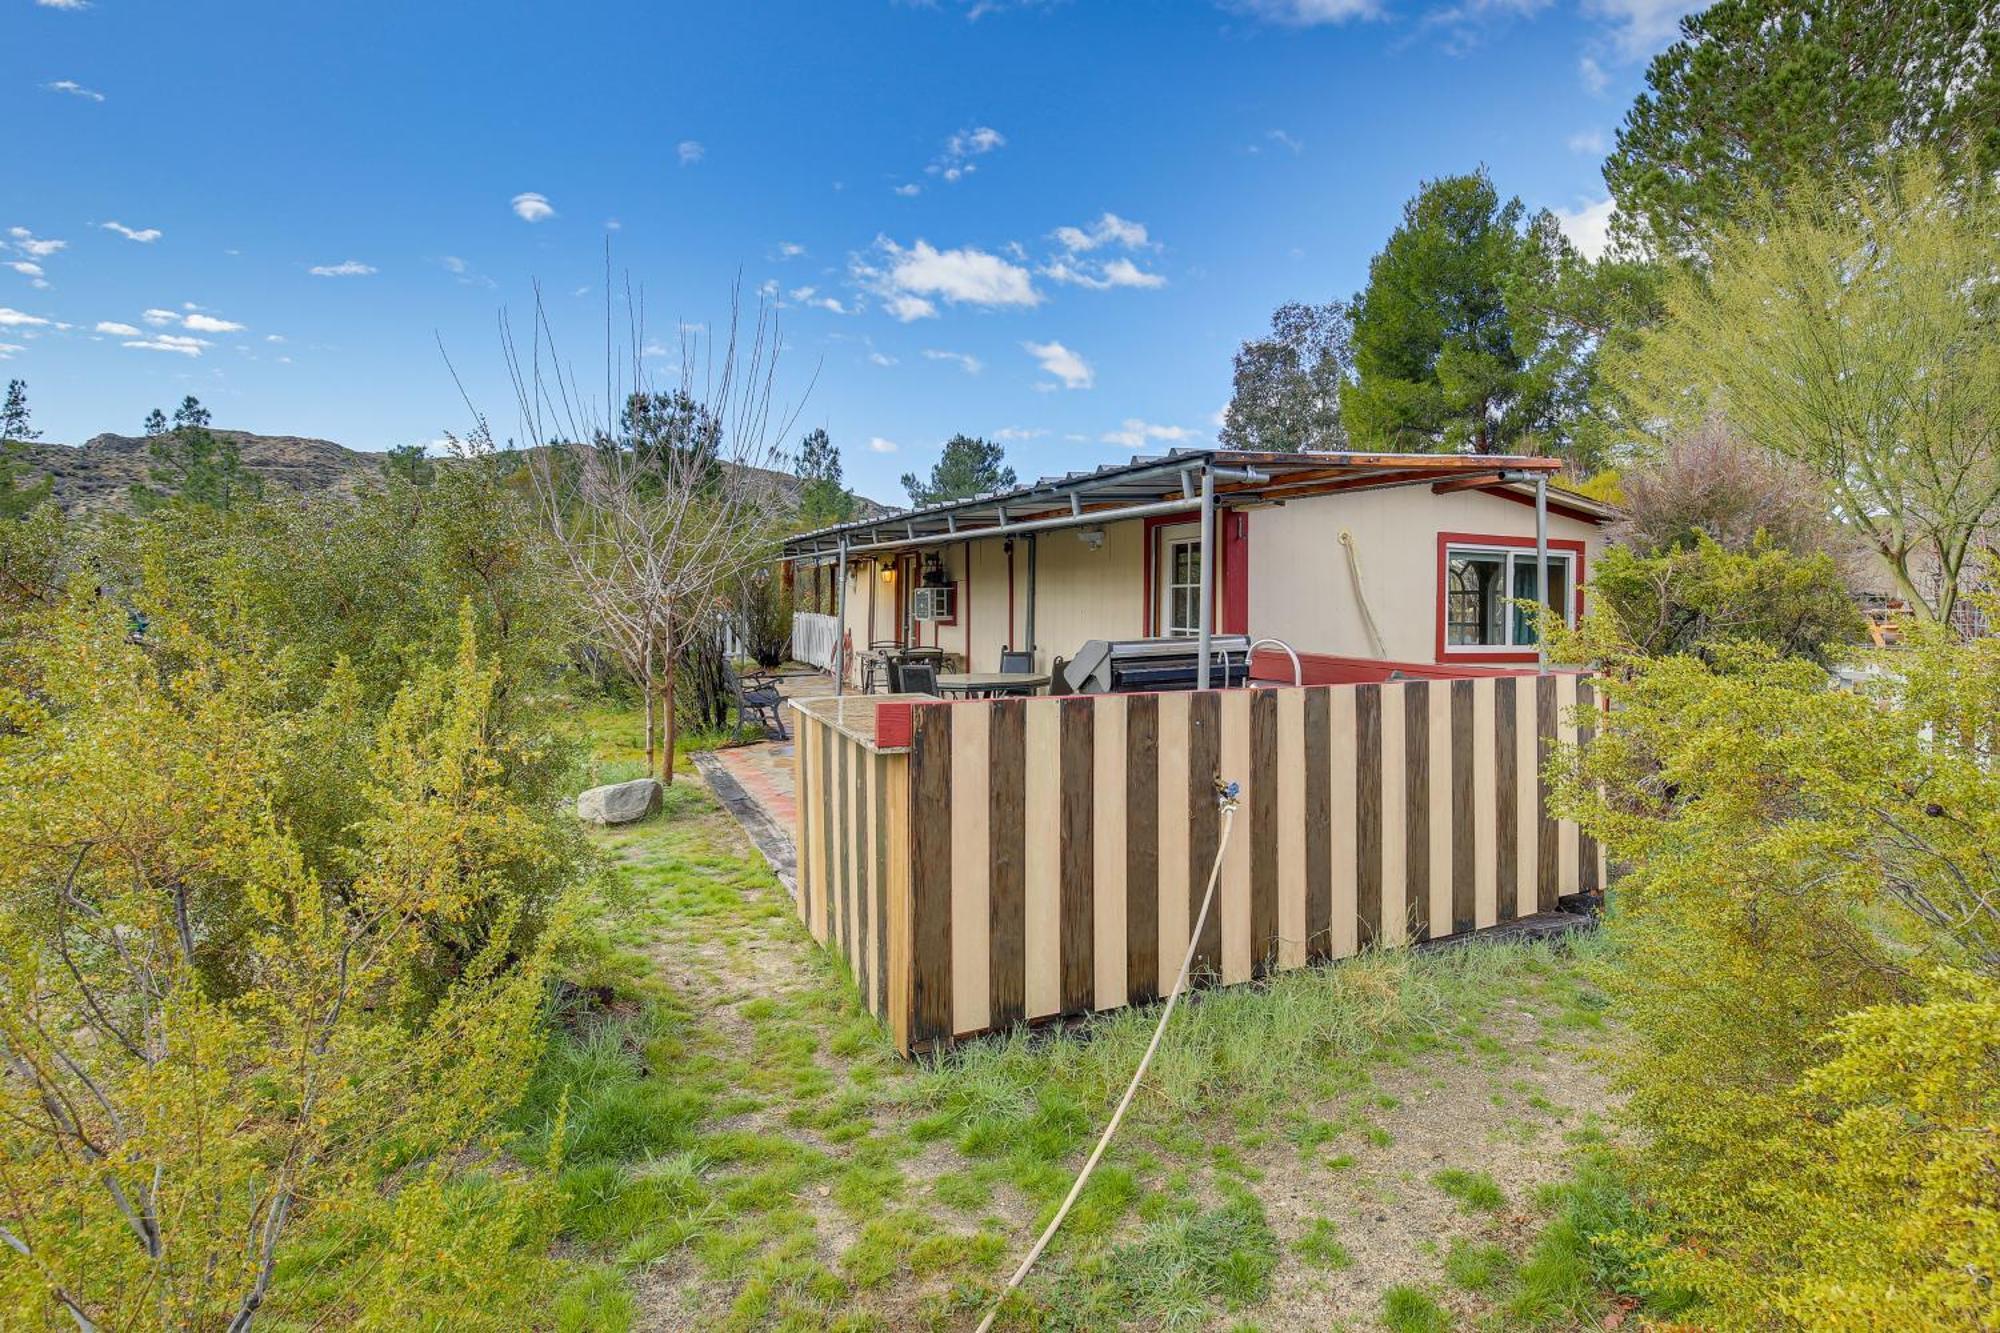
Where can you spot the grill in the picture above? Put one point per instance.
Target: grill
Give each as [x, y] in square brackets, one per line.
[1104, 666]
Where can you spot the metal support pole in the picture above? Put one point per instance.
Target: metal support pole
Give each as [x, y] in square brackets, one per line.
[1205, 617]
[840, 621]
[1541, 561]
[1030, 626]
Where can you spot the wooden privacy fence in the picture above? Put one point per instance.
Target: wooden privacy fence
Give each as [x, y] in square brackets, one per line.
[984, 863]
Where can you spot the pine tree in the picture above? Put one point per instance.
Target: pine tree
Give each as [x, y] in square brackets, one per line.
[823, 499]
[16, 498]
[968, 466]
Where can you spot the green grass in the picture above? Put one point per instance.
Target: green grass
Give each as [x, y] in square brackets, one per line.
[1407, 1309]
[1475, 1191]
[1476, 1265]
[1320, 1246]
[725, 1120]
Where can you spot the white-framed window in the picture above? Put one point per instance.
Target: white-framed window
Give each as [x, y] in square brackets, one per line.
[1481, 587]
[1180, 587]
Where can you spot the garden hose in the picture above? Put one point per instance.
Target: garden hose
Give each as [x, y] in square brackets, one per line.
[1225, 797]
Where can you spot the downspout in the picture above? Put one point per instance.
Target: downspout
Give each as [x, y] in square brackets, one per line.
[1541, 564]
[1028, 629]
[1205, 615]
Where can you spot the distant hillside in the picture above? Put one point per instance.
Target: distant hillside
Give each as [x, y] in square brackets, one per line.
[100, 474]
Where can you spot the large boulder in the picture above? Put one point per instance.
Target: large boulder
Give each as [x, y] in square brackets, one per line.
[620, 803]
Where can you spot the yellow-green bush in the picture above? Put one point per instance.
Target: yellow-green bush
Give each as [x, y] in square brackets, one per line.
[1808, 962]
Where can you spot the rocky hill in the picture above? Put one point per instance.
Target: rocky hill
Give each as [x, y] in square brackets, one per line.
[99, 474]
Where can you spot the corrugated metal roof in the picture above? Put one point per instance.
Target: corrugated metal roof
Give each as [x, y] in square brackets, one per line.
[1146, 480]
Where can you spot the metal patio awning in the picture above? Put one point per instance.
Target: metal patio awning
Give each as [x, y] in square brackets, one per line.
[1172, 484]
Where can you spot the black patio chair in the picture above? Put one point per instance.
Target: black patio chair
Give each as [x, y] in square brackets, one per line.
[914, 677]
[1010, 660]
[757, 695]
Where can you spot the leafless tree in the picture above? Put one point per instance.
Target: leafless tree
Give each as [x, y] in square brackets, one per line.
[658, 498]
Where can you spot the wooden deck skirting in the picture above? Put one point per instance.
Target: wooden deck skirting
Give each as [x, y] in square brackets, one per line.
[987, 863]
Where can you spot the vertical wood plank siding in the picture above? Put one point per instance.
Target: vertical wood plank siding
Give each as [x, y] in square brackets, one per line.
[1368, 814]
[1417, 808]
[1263, 831]
[1077, 938]
[1142, 849]
[1465, 837]
[1007, 827]
[930, 876]
[1204, 765]
[1031, 858]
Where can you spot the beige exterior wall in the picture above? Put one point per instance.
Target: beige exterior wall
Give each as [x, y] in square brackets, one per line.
[1301, 589]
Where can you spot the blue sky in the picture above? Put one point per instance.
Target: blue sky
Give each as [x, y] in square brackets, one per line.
[1050, 223]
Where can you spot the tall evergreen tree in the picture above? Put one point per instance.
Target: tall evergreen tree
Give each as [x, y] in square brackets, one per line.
[191, 463]
[1286, 387]
[1758, 94]
[968, 466]
[1438, 364]
[16, 499]
[823, 498]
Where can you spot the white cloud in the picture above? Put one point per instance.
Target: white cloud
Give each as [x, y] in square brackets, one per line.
[971, 365]
[113, 327]
[907, 280]
[881, 358]
[1134, 434]
[809, 296]
[878, 445]
[910, 190]
[18, 319]
[1593, 75]
[157, 317]
[1013, 433]
[7, 350]
[955, 162]
[74, 89]
[143, 235]
[1588, 226]
[1284, 140]
[690, 151]
[1120, 272]
[1061, 362]
[71, 5]
[210, 324]
[27, 268]
[532, 207]
[346, 268]
[170, 342]
[1641, 27]
[1305, 13]
[33, 246]
[274, 337]
[1586, 141]
[790, 250]
[453, 264]
[1107, 230]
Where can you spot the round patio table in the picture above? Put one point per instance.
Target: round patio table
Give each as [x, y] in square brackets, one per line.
[973, 684]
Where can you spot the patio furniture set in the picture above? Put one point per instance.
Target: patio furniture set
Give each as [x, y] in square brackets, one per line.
[888, 664]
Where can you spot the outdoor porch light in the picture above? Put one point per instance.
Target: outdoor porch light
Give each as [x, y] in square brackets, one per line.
[888, 573]
[1091, 537]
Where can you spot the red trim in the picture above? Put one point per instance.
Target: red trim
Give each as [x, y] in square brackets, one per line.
[1149, 605]
[1235, 555]
[1269, 666]
[1447, 539]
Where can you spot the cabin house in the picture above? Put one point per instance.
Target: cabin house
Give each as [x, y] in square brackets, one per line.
[1307, 676]
[1367, 566]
